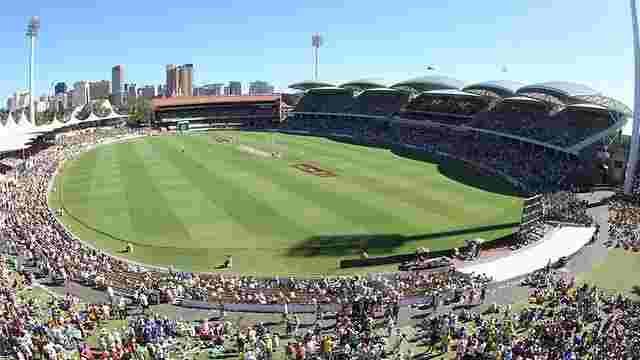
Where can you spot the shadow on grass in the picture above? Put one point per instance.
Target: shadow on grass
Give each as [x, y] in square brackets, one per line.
[463, 173]
[453, 169]
[374, 244]
[635, 290]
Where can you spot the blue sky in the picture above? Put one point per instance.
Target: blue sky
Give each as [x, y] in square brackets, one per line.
[584, 41]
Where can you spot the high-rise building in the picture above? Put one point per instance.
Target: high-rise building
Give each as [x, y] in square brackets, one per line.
[42, 104]
[210, 90]
[132, 94]
[22, 99]
[260, 88]
[172, 81]
[11, 103]
[60, 102]
[80, 93]
[162, 90]
[179, 80]
[148, 92]
[69, 99]
[60, 88]
[117, 82]
[233, 89]
[186, 80]
[99, 89]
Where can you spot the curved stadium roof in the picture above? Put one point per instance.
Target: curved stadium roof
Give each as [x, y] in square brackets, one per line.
[562, 88]
[522, 99]
[329, 90]
[504, 88]
[381, 91]
[449, 92]
[365, 84]
[309, 84]
[427, 83]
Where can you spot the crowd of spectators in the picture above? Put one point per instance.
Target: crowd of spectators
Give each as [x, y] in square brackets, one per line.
[31, 231]
[539, 169]
[444, 109]
[624, 224]
[532, 120]
[379, 103]
[563, 129]
[562, 321]
[565, 206]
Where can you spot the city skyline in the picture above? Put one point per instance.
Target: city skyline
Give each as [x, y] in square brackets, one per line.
[469, 42]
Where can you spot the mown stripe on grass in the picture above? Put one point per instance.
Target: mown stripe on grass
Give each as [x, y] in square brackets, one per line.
[106, 198]
[150, 213]
[76, 189]
[209, 224]
[406, 179]
[244, 169]
[368, 212]
[251, 212]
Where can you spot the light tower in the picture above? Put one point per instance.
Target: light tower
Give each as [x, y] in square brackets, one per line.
[32, 33]
[316, 42]
[635, 135]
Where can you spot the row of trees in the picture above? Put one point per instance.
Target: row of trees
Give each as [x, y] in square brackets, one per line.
[140, 112]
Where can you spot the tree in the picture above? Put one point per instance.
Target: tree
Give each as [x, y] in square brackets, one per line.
[43, 118]
[140, 111]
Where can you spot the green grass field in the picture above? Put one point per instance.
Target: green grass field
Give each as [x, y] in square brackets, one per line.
[190, 200]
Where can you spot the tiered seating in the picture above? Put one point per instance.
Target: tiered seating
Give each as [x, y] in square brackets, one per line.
[563, 129]
[454, 109]
[326, 101]
[380, 102]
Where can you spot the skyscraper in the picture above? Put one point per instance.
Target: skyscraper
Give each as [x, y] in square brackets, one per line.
[179, 80]
[117, 82]
[80, 93]
[99, 89]
[210, 90]
[148, 91]
[186, 80]
[233, 89]
[172, 81]
[60, 88]
[260, 88]
[132, 93]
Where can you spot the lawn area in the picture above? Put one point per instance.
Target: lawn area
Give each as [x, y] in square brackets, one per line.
[188, 201]
[618, 272]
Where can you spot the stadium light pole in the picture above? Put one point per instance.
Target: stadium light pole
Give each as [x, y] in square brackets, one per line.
[33, 28]
[635, 135]
[316, 42]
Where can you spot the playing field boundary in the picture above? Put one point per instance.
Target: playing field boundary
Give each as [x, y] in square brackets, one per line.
[166, 268]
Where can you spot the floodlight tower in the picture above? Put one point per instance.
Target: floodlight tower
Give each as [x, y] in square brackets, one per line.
[635, 135]
[33, 28]
[316, 42]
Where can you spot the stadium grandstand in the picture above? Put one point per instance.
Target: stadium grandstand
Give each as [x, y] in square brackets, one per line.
[380, 102]
[218, 111]
[449, 106]
[571, 119]
[326, 100]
